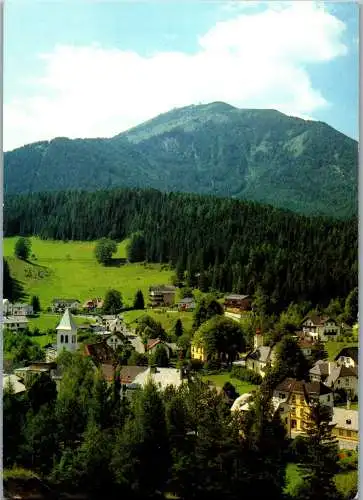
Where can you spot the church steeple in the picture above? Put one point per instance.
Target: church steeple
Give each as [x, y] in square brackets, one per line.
[66, 333]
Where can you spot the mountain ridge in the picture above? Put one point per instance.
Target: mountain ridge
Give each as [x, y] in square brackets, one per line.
[252, 154]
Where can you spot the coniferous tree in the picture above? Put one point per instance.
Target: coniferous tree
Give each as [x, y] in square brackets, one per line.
[35, 303]
[139, 302]
[178, 328]
[320, 463]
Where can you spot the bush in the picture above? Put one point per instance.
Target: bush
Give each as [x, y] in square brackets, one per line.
[298, 448]
[246, 375]
[195, 364]
[348, 461]
[213, 364]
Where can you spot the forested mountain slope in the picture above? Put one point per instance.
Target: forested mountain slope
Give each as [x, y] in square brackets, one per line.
[260, 155]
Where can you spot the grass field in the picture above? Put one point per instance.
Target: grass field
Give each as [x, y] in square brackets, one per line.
[333, 348]
[69, 269]
[220, 379]
[167, 319]
[345, 481]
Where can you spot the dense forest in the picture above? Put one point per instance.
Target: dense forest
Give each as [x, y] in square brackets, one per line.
[218, 244]
[251, 154]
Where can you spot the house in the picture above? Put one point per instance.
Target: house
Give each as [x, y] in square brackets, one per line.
[16, 323]
[152, 344]
[261, 357]
[115, 340]
[60, 305]
[162, 295]
[348, 356]
[293, 399]
[187, 304]
[67, 333]
[346, 428]
[14, 383]
[342, 377]
[237, 304]
[321, 327]
[162, 377]
[103, 358]
[129, 373]
[35, 368]
[19, 309]
[306, 346]
[92, 304]
[197, 352]
[136, 343]
[320, 371]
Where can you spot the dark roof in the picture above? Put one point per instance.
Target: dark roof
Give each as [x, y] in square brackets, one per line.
[294, 386]
[162, 288]
[321, 367]
[340, 371]
[187, 300]
[101, 353]
[318, 320]
[235, 296]
[349, 352]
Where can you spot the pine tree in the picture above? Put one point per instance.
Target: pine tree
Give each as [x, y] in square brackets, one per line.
[319, 464]
[35, 303]
[139, 302]
[178, 328]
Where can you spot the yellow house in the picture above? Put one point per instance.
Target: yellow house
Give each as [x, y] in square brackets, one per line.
[197, 352]
[346, 428]
[293, 399]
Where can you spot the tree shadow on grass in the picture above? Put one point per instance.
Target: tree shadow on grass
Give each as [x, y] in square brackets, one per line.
[116, 263]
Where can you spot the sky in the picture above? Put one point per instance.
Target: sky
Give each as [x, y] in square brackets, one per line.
[79, 69]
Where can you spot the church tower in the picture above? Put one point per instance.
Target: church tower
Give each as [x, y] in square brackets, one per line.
[66, 333]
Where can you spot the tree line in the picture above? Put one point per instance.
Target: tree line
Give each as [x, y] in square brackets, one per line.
[213, 243]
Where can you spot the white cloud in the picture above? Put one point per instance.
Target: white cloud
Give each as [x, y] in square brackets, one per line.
[255, 59]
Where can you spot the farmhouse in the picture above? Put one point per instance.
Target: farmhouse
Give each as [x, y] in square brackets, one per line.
[348, 356]
[235, 303]
[344, 378]
[162, 295]
[115, 340]
[293, 399]
[321, 327]
[16, 323]
[60, 305]
[19, 309]
[152, 344]
[103, 358]
[346, 428]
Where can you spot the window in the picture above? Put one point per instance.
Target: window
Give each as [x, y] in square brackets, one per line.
[293, 398]
[328, 398]
[338, 381]
[341, 432]
[348, 422]
[62, 339]
[73, 339]
[66, 339]
[349, 433]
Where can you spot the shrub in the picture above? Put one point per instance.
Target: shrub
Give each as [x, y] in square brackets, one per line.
[246, 375]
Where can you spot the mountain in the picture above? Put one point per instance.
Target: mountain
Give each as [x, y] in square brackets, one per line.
[259, 155]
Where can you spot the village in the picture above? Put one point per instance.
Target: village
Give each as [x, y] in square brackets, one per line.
[333, 383]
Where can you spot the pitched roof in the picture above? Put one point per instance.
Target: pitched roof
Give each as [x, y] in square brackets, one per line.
[14, 383]
[348, 352]
[320, 368]
[341, 416]
[261, 354]
[236, 296]
[186, 300]
[67, 322]
[162, 377]
[152, 343]
[101, 353]
[318, 320]
[162, 288]
[294, 386]
[16, 319]
[129, 373]
[338, 371]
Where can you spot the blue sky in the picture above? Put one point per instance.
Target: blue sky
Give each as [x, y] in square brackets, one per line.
[91, 69]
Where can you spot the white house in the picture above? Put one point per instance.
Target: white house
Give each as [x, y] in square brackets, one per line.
[261, 357]
[67, 333]
[115, 340]
[162, 377]
[348, 357]
[19, 309]
[16, 324]
[6, 307]
[321, 327]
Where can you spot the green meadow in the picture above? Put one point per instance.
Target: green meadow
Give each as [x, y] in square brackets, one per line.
[333, 348]
[70, 270]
